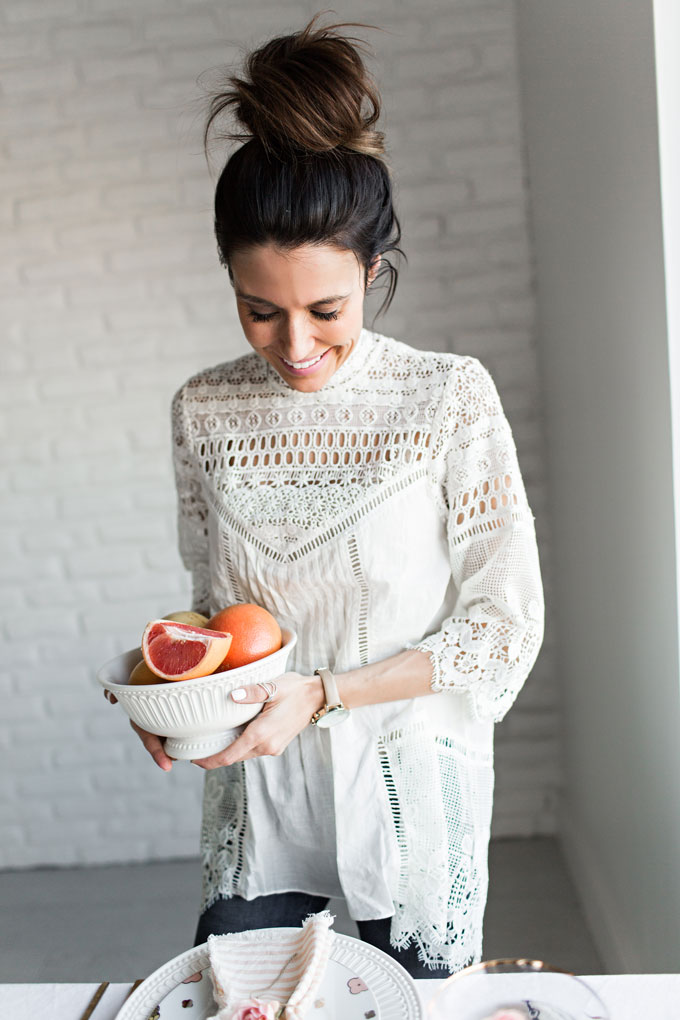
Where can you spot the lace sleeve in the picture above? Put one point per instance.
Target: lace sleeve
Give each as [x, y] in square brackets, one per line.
[192, 510]
[490, 642]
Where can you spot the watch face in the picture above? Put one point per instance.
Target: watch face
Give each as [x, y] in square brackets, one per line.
[332, 717]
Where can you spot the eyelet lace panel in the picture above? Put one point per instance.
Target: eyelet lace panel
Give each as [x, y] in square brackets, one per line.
[490, 642]
[440, 794]
[358, 572]
[225, 815]
[300, 520]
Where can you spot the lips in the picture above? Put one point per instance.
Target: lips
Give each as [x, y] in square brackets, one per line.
[303, 367]
[303, 364]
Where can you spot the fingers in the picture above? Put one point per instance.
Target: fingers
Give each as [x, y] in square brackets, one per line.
[254, 694]
[238, 751]
[286, 712]
[252, 743]
[154, 745]
[111, 697]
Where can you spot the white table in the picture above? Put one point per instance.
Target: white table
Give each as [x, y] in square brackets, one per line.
[627, 996]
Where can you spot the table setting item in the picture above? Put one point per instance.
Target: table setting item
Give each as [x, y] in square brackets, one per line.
[515, 989]
[197, 717]
[98, 995]
[260, 972]
[359, 982]
[94, 1001]
[627, 996]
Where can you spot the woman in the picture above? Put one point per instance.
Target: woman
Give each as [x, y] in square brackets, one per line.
[367, 493]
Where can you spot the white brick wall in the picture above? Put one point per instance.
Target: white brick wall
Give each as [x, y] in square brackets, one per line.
[112, 295]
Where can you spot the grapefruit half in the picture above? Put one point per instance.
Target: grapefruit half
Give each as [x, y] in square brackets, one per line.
[178, 651]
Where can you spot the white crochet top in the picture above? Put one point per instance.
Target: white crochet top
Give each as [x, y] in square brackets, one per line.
[383, 512]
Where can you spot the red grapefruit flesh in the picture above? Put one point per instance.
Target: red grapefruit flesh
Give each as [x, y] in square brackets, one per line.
[178, 651]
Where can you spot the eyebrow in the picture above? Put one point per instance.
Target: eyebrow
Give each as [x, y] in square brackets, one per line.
[262, 301]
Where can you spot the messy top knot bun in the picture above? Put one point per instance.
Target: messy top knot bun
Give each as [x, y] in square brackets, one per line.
[306, 92]
[310, 171]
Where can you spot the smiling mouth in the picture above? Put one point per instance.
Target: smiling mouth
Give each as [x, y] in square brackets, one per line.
[302, 364]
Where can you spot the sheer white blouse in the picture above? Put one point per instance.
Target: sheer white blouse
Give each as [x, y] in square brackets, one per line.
[383, 512]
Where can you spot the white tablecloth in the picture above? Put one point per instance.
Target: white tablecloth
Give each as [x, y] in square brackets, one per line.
[627, 996]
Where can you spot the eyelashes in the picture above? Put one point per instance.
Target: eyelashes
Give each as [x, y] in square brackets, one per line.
[268, 316]
[259, 317]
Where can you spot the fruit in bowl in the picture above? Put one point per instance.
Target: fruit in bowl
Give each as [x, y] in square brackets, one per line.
[254, 633]
[192, 648]
[178, 686]
[188, 616]
[142, 676]
[178, 651]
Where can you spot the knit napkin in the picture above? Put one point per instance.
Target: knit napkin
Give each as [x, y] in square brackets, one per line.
[270, 965]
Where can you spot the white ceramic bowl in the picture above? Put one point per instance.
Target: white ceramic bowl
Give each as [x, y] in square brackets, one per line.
[197, 717]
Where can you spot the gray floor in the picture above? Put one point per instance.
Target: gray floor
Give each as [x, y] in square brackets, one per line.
[120, 923]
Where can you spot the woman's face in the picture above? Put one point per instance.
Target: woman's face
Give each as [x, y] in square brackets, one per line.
[301, 310]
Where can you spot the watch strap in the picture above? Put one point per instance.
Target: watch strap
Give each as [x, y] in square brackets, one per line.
[330, 687]
[332, 700]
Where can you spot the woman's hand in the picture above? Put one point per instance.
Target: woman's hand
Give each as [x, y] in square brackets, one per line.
[152, 743]
[283, 716]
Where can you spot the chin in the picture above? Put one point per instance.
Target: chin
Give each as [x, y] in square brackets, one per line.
[308, 385]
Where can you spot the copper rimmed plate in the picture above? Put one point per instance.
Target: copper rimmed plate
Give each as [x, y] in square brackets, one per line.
[360, 983]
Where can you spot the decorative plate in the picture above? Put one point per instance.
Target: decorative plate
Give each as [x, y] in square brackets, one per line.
[360, 983]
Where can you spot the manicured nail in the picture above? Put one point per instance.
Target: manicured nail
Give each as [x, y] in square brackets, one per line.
[239, 695]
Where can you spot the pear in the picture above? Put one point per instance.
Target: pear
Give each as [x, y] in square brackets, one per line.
[142, 675]
[188, 616]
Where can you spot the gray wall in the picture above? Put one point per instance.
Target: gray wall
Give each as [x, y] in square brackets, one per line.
[589, 101]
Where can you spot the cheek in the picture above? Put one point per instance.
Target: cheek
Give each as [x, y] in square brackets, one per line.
[347, 326]
[355, 317]
[256, 333]
[245, 321]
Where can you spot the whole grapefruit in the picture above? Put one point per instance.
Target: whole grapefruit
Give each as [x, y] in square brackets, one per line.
[254, 633]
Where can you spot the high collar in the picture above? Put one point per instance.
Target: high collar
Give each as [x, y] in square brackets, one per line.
[349, 369]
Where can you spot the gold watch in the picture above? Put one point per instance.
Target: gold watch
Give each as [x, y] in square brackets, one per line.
[333, 711]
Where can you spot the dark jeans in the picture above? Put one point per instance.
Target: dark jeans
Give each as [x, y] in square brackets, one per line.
[283, 910]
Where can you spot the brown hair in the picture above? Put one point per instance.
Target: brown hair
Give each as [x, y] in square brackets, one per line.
[306, 91]
[311, 168]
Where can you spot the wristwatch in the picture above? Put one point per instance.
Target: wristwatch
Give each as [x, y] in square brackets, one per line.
[333, 712]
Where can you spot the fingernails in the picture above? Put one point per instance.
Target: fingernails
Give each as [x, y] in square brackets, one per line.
[239, 694]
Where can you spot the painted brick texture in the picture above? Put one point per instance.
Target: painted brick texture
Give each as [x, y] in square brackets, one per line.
[112, 295]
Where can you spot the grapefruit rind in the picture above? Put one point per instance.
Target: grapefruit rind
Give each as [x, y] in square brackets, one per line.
[178, 651]
[256, 633]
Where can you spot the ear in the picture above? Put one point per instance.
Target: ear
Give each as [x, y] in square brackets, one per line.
[373, 270]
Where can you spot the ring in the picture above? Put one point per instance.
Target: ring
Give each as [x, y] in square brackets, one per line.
[269, 687]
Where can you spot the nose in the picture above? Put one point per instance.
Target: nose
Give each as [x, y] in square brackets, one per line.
[296, 337]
